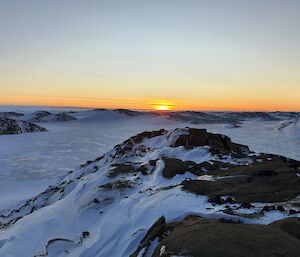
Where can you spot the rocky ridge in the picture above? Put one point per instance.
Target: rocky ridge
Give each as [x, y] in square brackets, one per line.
[10, 126]
[194, 180]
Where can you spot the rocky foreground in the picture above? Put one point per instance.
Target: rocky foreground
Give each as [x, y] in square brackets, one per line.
[196, 236]
[185, 192]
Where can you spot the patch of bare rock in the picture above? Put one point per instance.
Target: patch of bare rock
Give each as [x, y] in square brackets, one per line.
[272, 179]
[197, 236]
[218, 143]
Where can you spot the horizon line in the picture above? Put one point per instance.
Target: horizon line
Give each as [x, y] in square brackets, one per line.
[145, 109]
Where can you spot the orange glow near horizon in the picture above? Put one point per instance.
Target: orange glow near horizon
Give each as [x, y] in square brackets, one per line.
[163, 106]
[106, 56]
[145, 104]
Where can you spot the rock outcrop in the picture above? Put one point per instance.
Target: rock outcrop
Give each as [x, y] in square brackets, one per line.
[217, 143]
[10, 126]
[45, 116]
[271, 179]
[196, 236]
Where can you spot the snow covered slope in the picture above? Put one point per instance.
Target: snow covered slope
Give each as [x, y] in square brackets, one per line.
[105, 207]
[10, 126]
[292, 129]
[45, 116]
[11, 115]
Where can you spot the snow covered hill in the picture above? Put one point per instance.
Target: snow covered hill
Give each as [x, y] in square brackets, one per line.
[11, 115]
[292, 129]
[45, 116]
[17, 122]
[10, 126]
[192, 117]
[141, 198]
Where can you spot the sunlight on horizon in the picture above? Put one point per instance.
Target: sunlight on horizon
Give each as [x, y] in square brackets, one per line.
[163, 108]
[198, 54]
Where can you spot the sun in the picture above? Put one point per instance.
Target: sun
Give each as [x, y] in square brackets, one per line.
[162, 106]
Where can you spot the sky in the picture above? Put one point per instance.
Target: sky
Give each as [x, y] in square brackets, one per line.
[184, 54]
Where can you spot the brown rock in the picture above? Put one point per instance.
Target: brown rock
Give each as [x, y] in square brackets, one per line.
[198, 237]
[218, 143]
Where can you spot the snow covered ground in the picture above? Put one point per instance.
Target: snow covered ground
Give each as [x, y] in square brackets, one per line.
[30, 162]
[262, 136]
[105, 207]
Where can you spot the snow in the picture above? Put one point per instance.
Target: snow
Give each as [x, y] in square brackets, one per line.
[30, 162]
[206, 178]
[293, 130]
[152, 247]
[120, 218]
[230, 126]
[162, 250]
[261, 136]
[36, 157]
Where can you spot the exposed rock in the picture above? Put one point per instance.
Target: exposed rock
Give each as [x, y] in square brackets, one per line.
[156, 230]
[146, 135]
[280, 208]
[291, 226]
[223, 117]
[143, 169]
[40, 116]
[246, 205]
[132, 142]
[196, 236]
[175, 166]
[9, 126]
[118, 169]
[67, 243]
[292, 212]
[85, 234]
[217, 199]
[152, 162]
[101, 109]
[273, 180]
[119, 185]
[129, 112]
[45, 116]
[63, 116]
[196, 117]
[218, 143]
[268, 208]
